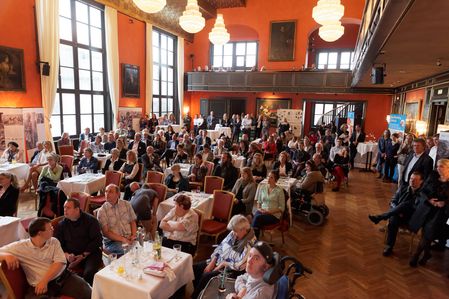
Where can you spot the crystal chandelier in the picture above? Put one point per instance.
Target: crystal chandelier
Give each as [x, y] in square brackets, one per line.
[150, 6]
[331, 31]
[191, 20]
[328, 11]
[219, 35]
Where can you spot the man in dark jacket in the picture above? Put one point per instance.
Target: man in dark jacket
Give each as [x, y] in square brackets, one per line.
[137, 145]
[358, 136]
[403, 205]
[417, 161]
[227, 171]
[80, 237]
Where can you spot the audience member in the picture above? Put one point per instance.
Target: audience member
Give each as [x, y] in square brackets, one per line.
[245, 191]
[113, 162]
[358, 136]
[12, 153]
[418, 160]
[88, 162]
[9, 194]
[227, 171]
[142, 202]
[175, 182]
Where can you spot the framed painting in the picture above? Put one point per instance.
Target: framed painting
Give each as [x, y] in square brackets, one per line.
[282, 40]
[12, 72]
[412, 115]
[269, 107]
[130, 81]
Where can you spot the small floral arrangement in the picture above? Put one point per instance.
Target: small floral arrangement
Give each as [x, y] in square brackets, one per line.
[263, 110]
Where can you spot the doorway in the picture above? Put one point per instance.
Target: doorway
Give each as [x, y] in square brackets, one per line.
[437, 116]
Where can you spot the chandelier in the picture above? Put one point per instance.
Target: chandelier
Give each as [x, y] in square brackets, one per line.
[150, 6]
[191, 20]
[328, 11]
[219, 35]
[331, 31]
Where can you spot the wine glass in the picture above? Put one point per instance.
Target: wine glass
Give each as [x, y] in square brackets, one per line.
[177, 249]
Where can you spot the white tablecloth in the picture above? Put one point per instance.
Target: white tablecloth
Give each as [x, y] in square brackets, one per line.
[201, 201]
[20, 170]
[102, 159]
[11, 230]
[238, 161]
[364, 149]
[226, 130]
[213, 134]
[86, 182]
[185, 167]
[176, 128]
[110, 285]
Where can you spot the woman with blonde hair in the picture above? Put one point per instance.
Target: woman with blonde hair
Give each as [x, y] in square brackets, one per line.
[258, 168]
[245, 191]
[9, 194]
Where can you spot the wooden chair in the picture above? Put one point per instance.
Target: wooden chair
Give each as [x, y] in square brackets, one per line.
[160, 189]
[221, 212]
[403, 229]
[154, 177]
[83, 145]
[200, 226]
[67, 150]
[112, 177]
[210, 167]
[284, 223]
[212, 183]
[192, 153]
[47, 211]
[83, 198]
[139, 174]
[55, 222]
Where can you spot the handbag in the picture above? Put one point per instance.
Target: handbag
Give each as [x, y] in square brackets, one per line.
[401, 159]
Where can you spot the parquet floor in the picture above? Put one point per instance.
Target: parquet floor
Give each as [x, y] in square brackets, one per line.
[345, 253]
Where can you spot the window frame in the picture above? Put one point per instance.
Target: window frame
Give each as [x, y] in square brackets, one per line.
[159, 96]
[339, 51]
[76, 91]
[234, 55]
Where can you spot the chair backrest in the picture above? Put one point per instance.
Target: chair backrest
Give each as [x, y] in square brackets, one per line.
[83, 198]
[138, 176]
[67, 160]
[83, 145]
[160, 189]
[66, 150]
[223, 201]
[154, 177]
[210, 167]
[113, 177]
[55, 222]
[200, 226]
[14, 281]
[212, 183]
[282, 287]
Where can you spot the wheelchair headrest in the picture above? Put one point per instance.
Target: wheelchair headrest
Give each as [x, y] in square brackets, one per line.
[272, 275]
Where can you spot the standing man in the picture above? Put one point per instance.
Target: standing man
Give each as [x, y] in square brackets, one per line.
[358, 136]
[187, 121]
[211, 121]
[80, 237]
[43, 261]
[117, 220]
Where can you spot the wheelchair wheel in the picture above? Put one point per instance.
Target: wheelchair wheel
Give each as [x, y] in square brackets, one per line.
[315, 217]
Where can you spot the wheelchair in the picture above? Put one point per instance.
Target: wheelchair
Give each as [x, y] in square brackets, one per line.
[310, 205]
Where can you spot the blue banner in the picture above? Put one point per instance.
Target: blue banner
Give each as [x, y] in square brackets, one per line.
[397, 123]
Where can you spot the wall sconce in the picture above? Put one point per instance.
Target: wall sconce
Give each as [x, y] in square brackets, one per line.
[186, 109]
[421, 127]
[388, 118]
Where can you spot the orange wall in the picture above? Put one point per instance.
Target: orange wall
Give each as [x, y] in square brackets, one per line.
[18, 31]
[256, 16]
[131, 47]
[377, 106]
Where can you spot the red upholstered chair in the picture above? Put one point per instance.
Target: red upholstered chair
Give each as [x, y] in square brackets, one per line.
[83, 198]
[200, 226]
[210, 167]
[221, 212]
[212, 183]
[15, 282]
[47, 211]
[66, 150]
[154, 177]
[54, 223]
[112, 177]
[284, 223]
[67, 161]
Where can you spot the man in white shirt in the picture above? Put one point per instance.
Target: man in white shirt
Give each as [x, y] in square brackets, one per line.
[434, 150]
[417, 161]
[246, 125]
[251, 284]
[43, 261]
[338, 146]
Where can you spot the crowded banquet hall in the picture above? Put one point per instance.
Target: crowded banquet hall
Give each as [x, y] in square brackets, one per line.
[238, 149]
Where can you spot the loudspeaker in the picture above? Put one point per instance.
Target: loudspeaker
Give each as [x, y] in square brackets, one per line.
[377, 75]
[45, 69]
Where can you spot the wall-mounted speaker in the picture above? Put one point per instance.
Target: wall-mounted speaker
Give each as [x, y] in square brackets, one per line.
[46, 69]
[377, 75]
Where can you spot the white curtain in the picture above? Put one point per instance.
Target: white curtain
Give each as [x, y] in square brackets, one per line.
[149, 69]
[181, 78]
[112, 59]
[47, 15]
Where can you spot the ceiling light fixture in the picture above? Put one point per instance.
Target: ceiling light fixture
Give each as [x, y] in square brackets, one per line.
[328, 11]
[150, 6]
[331, 32]
[191, 20]
[219, 35]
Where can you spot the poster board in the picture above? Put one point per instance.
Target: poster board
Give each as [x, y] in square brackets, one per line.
[397, 124]
[350, 122]
[294, 118]
[443, 145]
[128, 115]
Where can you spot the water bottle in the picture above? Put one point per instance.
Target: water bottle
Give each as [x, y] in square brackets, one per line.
[222, 286]
[140, 236]
[157, 247]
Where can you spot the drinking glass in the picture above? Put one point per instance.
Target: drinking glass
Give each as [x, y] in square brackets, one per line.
[112, 257]
[177, 249]
[66, 175]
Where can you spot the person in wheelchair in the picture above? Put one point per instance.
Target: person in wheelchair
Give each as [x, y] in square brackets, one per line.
[252, 285]
[340, 167]
[303, 190]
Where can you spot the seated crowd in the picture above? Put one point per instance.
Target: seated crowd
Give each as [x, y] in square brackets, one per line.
[324, 155]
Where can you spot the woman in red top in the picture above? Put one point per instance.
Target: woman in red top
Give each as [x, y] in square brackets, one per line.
[269, 147]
